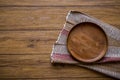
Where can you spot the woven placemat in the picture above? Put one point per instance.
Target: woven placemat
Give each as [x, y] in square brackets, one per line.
[108, 65]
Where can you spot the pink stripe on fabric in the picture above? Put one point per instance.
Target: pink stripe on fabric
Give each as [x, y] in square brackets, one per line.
[69, 58]
[110, 59]
[62, 56]
[65, 32]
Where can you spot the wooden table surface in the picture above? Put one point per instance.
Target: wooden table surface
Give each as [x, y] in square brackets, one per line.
[28, 29]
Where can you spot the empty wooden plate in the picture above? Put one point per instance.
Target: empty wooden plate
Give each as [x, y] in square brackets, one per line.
[87, 42]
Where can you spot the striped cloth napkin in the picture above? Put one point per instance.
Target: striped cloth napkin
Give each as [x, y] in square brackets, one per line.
[109, 64]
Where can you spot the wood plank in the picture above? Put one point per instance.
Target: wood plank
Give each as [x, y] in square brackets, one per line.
[38, 66]
[27, 42]
[57, 2]
[29, 35]
[40, 60]
[34, 18]
[39, 72]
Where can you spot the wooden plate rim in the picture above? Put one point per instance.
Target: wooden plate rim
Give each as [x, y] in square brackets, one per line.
[91, 60]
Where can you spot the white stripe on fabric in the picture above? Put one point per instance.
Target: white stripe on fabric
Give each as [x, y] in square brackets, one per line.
[60, 49]
[68, 26]
[113, 51]
[61, 39]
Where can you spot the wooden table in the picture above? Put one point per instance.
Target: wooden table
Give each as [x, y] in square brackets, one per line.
[28, 29]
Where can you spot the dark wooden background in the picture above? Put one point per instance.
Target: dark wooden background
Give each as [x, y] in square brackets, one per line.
[28, 29]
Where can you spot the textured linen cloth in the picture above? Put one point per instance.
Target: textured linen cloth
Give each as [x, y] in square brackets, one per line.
[109, 64]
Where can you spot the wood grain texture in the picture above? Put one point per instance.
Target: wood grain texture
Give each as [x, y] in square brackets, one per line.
[57, 2]
[27, 42]
[28, 29]
[32, 18]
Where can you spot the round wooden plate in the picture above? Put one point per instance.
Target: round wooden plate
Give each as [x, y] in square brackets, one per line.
[87, 42]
